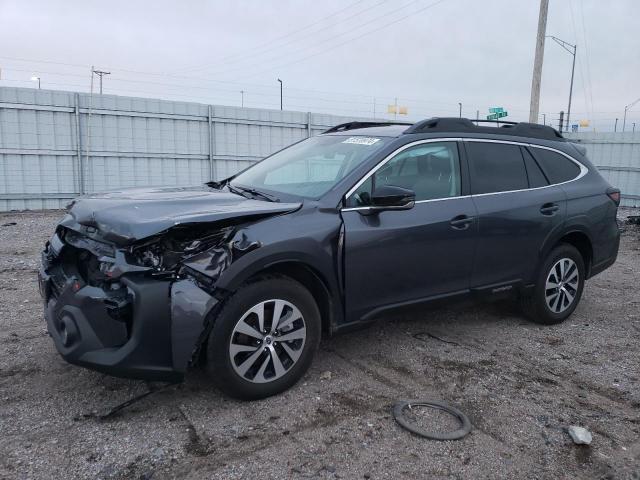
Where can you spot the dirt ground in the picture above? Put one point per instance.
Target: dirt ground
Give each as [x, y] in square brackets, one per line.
[521, 384]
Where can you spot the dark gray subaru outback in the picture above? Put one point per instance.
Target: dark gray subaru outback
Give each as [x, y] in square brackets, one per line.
[247, 273]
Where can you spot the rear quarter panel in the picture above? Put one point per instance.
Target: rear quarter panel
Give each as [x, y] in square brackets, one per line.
[592, 212]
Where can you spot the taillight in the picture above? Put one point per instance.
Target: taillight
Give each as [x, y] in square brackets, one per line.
[614, 194]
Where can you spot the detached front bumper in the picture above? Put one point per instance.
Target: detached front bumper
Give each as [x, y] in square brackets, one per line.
[150, 333]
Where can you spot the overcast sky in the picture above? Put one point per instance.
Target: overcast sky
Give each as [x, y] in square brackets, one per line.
[334, 56]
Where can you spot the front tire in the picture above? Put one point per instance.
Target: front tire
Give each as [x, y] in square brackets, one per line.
[264, 338]
[558, 288]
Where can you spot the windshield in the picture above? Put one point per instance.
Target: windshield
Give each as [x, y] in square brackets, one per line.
[309, 168]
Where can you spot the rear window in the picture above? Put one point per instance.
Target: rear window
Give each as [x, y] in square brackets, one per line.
[556, 167]
[496, 167]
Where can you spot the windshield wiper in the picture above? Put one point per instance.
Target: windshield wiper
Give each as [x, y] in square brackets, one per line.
[237, 191]
[252, 191]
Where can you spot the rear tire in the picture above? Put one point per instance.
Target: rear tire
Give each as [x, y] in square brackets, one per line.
[264, 338]
[558, 287]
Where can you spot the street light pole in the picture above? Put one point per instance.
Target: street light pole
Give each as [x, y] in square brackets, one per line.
[615, 127]
[624, 119]
[460, 110]
[280, 93]
[242, 98]
[572, 50]
[628, 107]
[544, 118]
[34, 78]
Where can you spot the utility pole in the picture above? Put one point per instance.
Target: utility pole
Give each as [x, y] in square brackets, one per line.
[628, 107]
[242, 98]
[544, 118]
[634, 127]
[572, 50]
[460, 110]
[101, 74]
[534, 107]
[280, 93]
[615, 126]
[477, 114]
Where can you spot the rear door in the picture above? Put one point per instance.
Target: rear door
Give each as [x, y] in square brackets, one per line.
[517, 211]
[405, 256]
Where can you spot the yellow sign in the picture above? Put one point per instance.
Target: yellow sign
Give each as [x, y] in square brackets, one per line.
[584, 123]
[397, 109]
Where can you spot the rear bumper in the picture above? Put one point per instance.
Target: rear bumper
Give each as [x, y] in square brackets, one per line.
[611, 252]
[150, 333]
[604, 264]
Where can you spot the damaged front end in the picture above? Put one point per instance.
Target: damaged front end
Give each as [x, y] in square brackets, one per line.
[141, 309]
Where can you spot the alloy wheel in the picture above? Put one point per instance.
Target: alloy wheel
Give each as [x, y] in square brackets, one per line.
[561, 287]
[267, 341]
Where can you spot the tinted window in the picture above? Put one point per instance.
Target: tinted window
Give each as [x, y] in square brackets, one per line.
[558, 168]
[431, 170]
[536, 177]
[496, 167]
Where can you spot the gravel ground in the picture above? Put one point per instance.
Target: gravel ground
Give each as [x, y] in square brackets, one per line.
[521, 384]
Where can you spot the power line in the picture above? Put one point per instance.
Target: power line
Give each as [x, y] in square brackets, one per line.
[261, 50]
[579, 60]
[387, 25]
[322, 41]
[586, 54]
[165, 75]
[312, 94]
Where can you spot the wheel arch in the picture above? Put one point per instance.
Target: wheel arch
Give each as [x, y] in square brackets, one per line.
[578, 238]
[306, 269]
[312, 280]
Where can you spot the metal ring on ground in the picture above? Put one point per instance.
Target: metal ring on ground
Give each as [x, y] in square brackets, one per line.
[465, 424]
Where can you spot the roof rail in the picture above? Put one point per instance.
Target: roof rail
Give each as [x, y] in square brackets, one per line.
[353, 125]
[454, 124]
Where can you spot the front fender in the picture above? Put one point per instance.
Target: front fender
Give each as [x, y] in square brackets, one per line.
[303, 252]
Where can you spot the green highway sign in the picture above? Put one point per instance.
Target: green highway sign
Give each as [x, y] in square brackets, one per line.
[496, 110]
[497, 115]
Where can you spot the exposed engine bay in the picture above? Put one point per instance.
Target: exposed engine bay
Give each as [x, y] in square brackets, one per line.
[164, 252]
[199, 252]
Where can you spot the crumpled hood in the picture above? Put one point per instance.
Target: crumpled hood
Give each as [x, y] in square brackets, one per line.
[132, 214]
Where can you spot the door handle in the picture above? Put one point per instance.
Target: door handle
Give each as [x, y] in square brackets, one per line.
[461, 222]
[549, 208]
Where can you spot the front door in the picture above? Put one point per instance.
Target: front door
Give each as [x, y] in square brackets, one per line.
[405, 256]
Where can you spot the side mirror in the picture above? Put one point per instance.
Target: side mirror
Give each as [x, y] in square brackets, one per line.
[390, 197]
